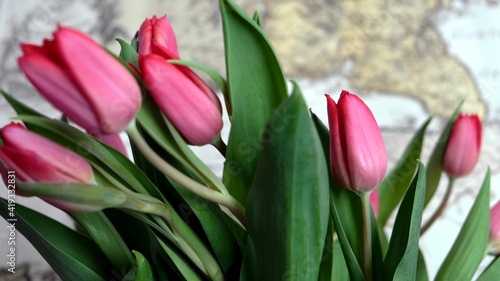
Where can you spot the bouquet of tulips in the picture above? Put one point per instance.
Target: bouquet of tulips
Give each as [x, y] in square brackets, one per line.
[294, 199]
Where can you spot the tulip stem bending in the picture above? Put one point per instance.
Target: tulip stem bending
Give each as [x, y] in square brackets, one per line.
[201, 190]
[441, 207]
[367, 236]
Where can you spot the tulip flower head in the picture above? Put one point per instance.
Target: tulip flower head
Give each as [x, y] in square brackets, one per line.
[156, 36]
[81, 79]
[191, 106]
[37, 159]
[358, 155]
[463, 147]
[495, 227]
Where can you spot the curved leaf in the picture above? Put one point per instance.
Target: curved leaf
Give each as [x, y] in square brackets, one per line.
[492, 272]
[470, 246]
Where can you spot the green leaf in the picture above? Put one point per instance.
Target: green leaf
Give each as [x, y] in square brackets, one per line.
[93, 196]
[287, 208]
[142, 270]
[256, 18]
[435, 164]
[326, 266]
[72, 255]
[470, 246]
[257, 86]
[18, 106]
[395, 184]
[492, 272]
[402, 256]
[127, 52]
[102, 231]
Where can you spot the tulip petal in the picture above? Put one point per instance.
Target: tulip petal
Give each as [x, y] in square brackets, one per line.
[39, 159]
[495, 223]
[107, 86]
[337, 148]
[157, 36]
[191, 111]
[53, 83]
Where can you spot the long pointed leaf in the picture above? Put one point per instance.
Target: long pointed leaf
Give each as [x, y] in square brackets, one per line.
[402, 256]
[395, 184]
[256, 85]
[470, 246]
[72, 255]
[287, 208]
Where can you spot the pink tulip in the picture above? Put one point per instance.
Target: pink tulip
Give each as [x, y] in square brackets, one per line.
[191, 106]
[81, 79]
[375, 201]
[495, 227]
[357, 152]
[464, 145]
[156, 36]
[37, 159]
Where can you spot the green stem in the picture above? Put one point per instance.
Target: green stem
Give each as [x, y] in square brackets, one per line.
[441, 207]
[367, 236]
[215, 196]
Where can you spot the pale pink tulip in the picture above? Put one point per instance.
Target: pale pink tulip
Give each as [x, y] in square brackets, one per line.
[81, 79]
[357, 151]
[464, 146]
[191, 106]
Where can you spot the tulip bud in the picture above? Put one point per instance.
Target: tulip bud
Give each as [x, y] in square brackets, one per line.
[37, 159]
[463, 147]
[357, 151]
[81, 79]
[375, 201]
[156, 36]
[495, 228]
[191, 106]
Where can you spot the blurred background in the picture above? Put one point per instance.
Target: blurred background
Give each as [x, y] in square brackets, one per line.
[407, 59]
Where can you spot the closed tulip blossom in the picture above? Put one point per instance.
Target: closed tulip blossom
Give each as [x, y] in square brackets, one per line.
[191, 106]
[37, 159]
[156, 36]
[463, 147]
[495, 228]
[82, 80]
[357, 151]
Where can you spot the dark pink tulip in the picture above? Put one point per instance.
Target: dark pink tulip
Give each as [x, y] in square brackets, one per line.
[82, 80]
[37, 159]
[495, 227]
[375, 201]
[357, 151]
[191, 106]
[464, 145]
[156, 36]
